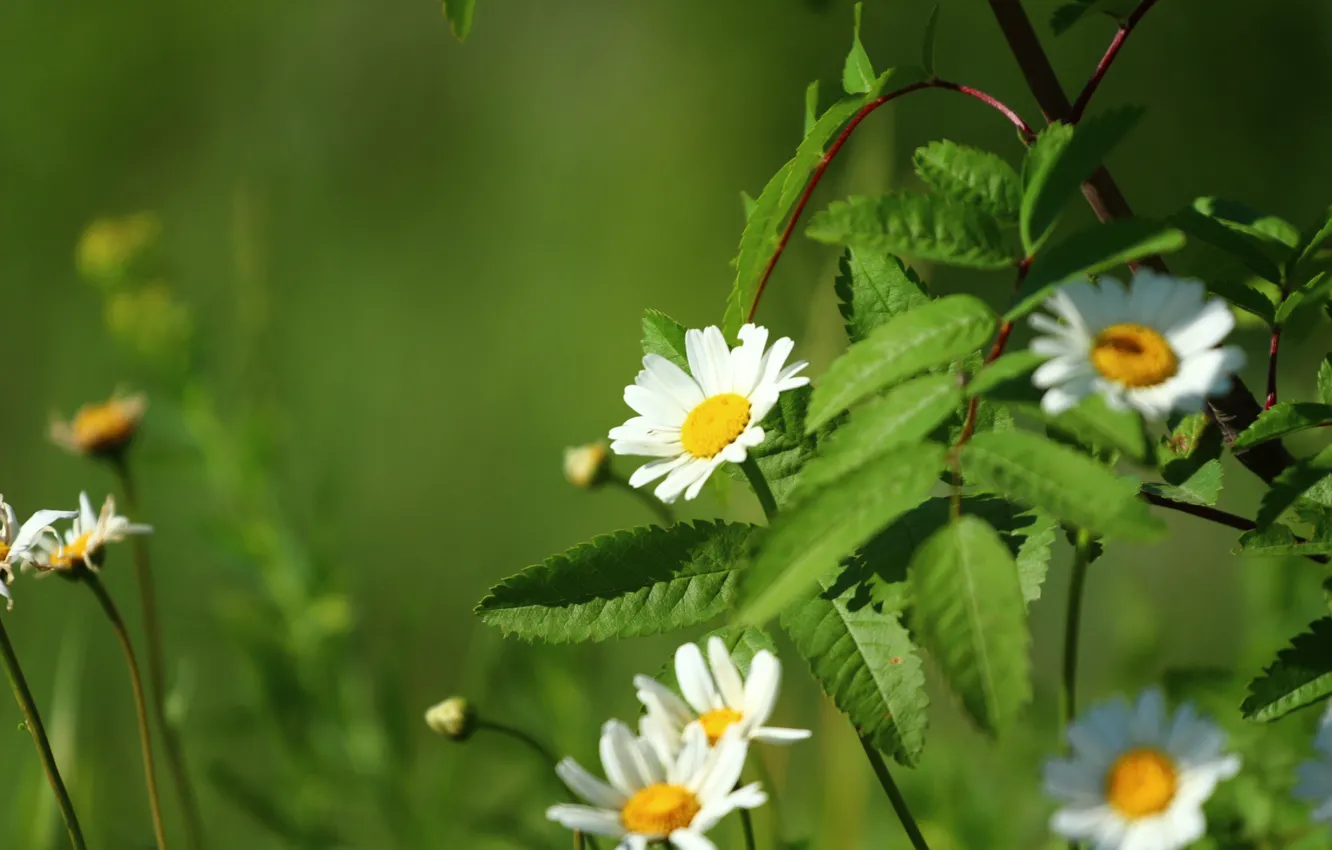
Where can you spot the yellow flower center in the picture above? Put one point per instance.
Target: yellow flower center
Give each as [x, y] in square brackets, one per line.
[72, 552]
[103, 427]
[714, 424]
[1133, 355]
[717, 721]
[1141, 782]
[4, 551]
[660, 810]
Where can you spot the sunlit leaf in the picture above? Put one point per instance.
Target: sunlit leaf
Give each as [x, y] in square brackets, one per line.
[1282, 419]
[1325, 380]
[1292, 483]
[872, 287]
[857, 73]
[971, 176]
[664, 336]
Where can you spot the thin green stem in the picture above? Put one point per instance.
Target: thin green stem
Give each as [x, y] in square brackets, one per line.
[152, 634]
[657, 506]
[535, 746]
[33, 721]
[1073, 625]
[578, 840]
[759, 484]
[140, 702]
[894, 795]
[747, 822]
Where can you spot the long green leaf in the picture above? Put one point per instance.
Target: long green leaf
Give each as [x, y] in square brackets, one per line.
[929, 336]
[637, 582]
[1090, 252]
[1325, 381]
[931, 227]
[1245, 248]
[1311, 240]
[460, 14]
[1291, 484]
[971, 176]
[864, 660]
[1282, 419]
[1055, 178]
[664, 336]
[1278, 539]
[970, 613]
[931, 41]
[1300, 676]
[1033, 471]
[857, 73]
[872, 287]
[906, 414]
[807, 542]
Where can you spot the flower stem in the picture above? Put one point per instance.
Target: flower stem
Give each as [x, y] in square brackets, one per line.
[152, 634]
[140, 702]
[747, 822]
[33, 721]
[1073, 625]
[541, 750]
[657, 506]
[894, 795]
[759, 484]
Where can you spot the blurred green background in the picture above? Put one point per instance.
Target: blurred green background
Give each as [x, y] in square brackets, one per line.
[416, 270]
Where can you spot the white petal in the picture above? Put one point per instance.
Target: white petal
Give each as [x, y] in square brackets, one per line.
[588, 787]
[695, 679]
[1149, 718]
[649, 472]
[1058, 399]
[1054, 346]
[687, 839]
[87, 517]
[694, 472]
[723, 770]
[664, 698]
[778, 735]
[749, 797]
[775, 359]
[1079, 781]
[1081, 821]
[719, 357]
[618, 758]
[747, 359]
[761, 688]
[725, 674]
[28, 532]
[697, 486]
[684, 388]
[587, 819]
[660, 408]
[1203, 330]
[634, 842]
[647, 448]
[1059, 370]
[693, 757]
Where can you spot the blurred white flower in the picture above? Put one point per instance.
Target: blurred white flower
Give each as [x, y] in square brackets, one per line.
[85, 540]
[656, 795]
[18, 541]
[1137, 779]
[718, 698]
[1151, 347]
[692, 425]
[1315, 776]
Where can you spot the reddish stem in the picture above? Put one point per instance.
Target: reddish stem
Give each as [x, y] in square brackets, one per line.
[837, 144]
[1234, 521]
[1272, 368]
[1080, 105]
[996, 350]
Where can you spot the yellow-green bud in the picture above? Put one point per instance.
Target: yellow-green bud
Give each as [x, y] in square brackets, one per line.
[586, 467]
[454, 718]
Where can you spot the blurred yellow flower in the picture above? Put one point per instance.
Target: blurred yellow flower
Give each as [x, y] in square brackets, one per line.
[101, 429]
[109, 245]
[150, 321]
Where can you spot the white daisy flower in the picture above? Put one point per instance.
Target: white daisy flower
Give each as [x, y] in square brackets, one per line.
[654, 795]
[1136, 779]
[18, 541]
[85, 540]
[718, 699]
[693, 425]
[1151, 347]
[1315, 776]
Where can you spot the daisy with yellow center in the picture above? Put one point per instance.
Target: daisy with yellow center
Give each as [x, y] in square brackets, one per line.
[102, 429]
[693, 422]
[1151, 347]
[658, 789]
[1137, 779]
[85, 540]
[18, 541]
[717, 699]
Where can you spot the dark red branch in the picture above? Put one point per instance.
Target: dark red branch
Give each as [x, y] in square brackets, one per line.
[827, 158]
[1237, 409]
[1272, 368]
[996, 351]
[1221, 517]
[1080, 105]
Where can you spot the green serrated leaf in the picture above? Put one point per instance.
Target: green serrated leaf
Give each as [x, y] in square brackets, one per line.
[1325, 380]
[1246, 297]
[1291, 484]
[872, 288]
[665, 337]
[1057, 173]
[1282, 419]
[1070, 486]
[929, 336]
[807, 542]
[1203, 487]
[864, 660]
[1313, 293]
[970, 614]
[971, 176]
[906, 414]
[1091, 252]
[811, 106]
[1300, 676]
[927, 226]
[742, 642]
[1279, 235]
[1013, 366]
[1243, 247]
[786, 445]
[1311, 241]
[1278, 539]
[857, 73]
[747, 204]
[637, 582]
[931, 38]
[460, 14]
